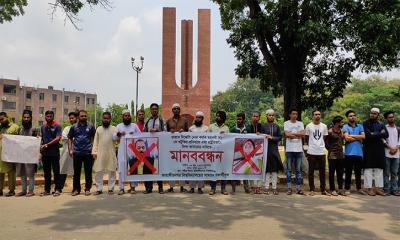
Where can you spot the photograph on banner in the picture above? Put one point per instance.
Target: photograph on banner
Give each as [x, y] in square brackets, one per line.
[248, 156]
[142, 156]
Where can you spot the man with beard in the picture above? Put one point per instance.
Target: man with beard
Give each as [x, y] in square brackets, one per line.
[27, 170]
[124, 130]
[177, 124]
[51, 135]
[316, 134]
[199, 127]
[374, 149]
[80, 146]
[219, 127]
[66, 161]
[6, 167]
[105, 160]
[274, 163]
[154, 124]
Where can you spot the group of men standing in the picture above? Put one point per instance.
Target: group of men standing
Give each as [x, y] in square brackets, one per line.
[372, 146]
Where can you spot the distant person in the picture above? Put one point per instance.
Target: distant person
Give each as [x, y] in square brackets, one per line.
[219, 127]
[353, 152]
[51, 135]
[27, 170]
[315, 134]
[66, 161]
[154, 124]
[199, 127]
[104, 155]
[177, 123]
[294, 133]
[375, 134]
[80, 147]
[274, 162]
[124, 130]
[334, 144]
[392, 145]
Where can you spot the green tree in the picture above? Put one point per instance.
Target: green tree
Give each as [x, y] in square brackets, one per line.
[10, 9]
[307, 50]
[116, 112]
[95, 113]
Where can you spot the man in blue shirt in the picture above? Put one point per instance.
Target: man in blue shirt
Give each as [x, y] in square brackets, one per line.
[80, 144]
[353, 134]
[51, 135]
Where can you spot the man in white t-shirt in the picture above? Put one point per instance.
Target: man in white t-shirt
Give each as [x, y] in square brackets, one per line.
[316, 133]
[294, 132]
[392, 144]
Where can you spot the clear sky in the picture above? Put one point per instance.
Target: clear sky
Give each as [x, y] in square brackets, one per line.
[41, 51]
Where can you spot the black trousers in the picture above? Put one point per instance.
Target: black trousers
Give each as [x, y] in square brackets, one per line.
[49, 163]
[63, 178]
[314, 162]
[336, 165]
[352, 162]
[87, 161]
[149, 185]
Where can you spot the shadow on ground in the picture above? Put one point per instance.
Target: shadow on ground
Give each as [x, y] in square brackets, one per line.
[299, 217]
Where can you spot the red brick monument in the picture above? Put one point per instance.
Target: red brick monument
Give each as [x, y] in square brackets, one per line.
[191, 98]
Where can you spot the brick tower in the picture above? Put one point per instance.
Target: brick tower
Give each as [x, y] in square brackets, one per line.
[191, 98]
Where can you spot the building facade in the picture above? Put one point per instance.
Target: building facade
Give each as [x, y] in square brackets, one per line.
[15, 98]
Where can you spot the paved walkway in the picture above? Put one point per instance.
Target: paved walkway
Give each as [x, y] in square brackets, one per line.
[194, 216]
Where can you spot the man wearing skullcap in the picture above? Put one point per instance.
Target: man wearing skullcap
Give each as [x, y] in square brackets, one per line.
[374, 149]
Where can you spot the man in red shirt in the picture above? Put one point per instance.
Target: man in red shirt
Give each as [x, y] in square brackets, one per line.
[140, 119]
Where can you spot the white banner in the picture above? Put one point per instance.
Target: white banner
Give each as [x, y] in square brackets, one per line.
[195, 156]
[20, 149]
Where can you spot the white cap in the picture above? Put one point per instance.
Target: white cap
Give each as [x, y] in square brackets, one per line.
[176, 105]
[199, 114]
[270, 111]
[126, 111]
[375, 110]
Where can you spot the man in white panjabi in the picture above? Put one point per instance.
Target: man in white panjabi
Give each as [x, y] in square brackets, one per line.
[199, 127]
[124, 130]
[104, 155]
[66, 161]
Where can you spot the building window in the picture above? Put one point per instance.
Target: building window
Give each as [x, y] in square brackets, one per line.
[77, 100]
[41, 110]
[41, 96]
[54, 110]
[93, 101]
[9, 105]
[54, 97]
[66, 99]
[40, 123]
[29, 95]
[65, 111]
[28, 108]
[10, 89]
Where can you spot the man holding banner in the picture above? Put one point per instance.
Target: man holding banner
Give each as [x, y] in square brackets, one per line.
[27, 170]
[6, 167]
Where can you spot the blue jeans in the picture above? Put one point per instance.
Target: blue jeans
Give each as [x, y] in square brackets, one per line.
[391, 171]
[296, 158]
[24, 183]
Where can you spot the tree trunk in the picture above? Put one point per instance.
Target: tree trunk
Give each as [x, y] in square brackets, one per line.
[292, 91]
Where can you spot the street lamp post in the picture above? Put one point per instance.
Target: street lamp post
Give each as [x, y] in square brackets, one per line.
[137, 69]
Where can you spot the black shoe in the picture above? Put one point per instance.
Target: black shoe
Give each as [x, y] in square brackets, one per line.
[200, 191]
[147, 191]
[160, 191]
[190, 191]
[10, 194]
[183, 190]
[110, 192]
[170, 190]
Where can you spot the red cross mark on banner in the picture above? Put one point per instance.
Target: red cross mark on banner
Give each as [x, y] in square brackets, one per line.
[247, 158]
[142, 158]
